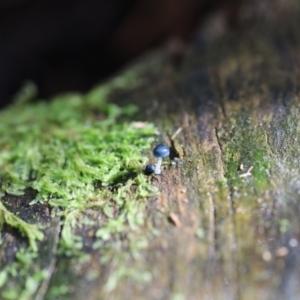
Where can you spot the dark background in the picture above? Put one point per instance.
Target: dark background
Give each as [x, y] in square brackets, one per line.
[65, 45]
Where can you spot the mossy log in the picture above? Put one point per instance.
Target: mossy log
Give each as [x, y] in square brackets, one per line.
[225, 224]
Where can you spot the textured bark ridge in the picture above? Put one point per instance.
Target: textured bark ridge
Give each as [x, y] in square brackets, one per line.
[225, 224]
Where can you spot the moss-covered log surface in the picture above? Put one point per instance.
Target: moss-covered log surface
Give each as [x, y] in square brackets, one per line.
[223, 220]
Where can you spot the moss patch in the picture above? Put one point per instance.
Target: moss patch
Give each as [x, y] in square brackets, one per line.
[78, 154]
[245, 147]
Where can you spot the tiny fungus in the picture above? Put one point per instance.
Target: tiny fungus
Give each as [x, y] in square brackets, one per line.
[159, 152]
[149, 169]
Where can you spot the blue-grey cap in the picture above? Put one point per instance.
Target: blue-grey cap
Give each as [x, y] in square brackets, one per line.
[161, 150]
[149, 169]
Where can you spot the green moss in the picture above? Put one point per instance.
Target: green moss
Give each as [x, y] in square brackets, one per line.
[245, 145]
[29, 230]
[58, 291]
[25, 272]
[77, 154]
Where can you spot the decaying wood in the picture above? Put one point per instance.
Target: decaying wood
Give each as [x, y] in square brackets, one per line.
[221, 230]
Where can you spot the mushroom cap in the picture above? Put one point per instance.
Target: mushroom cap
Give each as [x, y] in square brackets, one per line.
[149, 169]
[161, 150]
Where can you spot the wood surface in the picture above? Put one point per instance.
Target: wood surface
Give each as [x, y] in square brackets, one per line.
[227, 217]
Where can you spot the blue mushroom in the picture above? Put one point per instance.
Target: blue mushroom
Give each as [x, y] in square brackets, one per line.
[149, 169]
[160, 151]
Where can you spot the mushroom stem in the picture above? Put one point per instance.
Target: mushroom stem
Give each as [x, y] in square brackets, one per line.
[157, 166]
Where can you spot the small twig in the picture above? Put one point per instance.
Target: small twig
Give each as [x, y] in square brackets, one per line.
[176, 133]
[248, 173]
[177, 148]
[174, 219]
